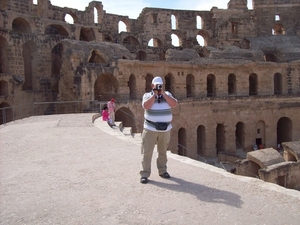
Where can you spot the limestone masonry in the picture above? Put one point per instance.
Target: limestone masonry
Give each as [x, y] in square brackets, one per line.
[234, 71]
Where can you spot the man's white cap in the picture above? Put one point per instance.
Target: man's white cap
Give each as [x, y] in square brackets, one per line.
[157, 80]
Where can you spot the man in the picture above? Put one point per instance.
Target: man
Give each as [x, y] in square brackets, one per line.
[111, 110]
[157, 128]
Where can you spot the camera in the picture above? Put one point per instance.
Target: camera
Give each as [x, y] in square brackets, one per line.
[158, 87]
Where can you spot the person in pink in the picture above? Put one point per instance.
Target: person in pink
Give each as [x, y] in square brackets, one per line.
[111, 110]
[105, 115]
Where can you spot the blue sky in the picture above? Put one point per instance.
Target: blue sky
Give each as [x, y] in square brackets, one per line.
[132, 8]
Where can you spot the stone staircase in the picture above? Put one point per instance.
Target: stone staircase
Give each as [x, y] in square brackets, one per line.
[124, 133]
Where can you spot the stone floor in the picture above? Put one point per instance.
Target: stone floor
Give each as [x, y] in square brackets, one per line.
[63, 169]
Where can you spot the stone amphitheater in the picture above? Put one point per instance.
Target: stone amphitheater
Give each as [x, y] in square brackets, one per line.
[238, 91]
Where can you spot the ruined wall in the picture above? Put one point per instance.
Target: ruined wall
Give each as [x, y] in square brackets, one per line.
[272, 14]
[43, 58]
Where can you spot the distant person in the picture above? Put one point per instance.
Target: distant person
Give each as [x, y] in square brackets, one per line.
[157, 128]
[105, 116]
[111, 110]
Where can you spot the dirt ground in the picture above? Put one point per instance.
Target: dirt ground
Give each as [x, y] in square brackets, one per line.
[63, 169]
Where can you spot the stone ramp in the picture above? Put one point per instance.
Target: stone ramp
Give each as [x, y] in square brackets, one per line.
[63, 169]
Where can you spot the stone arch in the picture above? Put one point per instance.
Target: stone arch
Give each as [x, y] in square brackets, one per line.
[122, 26]
[155, 42]
[240, 135]
[211, 85]
[107, 38]
[87, 34]
[132, 87]
[106, 87]
[4, 67]
[170, 83]
[201, 141]
[253, 83]
[182, 150]
[141, 55]
[231, 84]
[20, 25]
[130, 40]
[176, 40]
[284, 130]
[190, 86]
[98, 13]
[148, 82]
[260, 138]
[277, 83]
[220, 137]
[205, 35]
[3, 88]
[70, 17]
[54, 29]
[97, 58]
[126, 116]
[6, 113]
[30, 59]
[200, 40]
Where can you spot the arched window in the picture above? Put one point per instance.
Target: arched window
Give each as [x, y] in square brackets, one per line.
[174, 23]
[277, 84]
[240, 135]
[122, 27]
[231, 84]
[201, 141]
[253, 84]
[141, 55]
[190, 86]
[169, 83]
[211, 85]
[155, 42]
[132, 87]
[20, 25]
[148, 81]
[69, 19]
[175, 40]
[220, 133]
[87, 34]
[199, 22]
[182, 150]
[200, 40]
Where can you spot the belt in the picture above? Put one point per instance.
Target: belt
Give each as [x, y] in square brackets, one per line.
[154, 123]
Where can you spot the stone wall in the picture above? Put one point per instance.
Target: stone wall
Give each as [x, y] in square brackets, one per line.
[239, 89]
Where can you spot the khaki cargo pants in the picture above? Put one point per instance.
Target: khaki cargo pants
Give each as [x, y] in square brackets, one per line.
[149, 140]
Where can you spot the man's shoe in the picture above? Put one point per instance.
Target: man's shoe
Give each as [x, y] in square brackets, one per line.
[144, 180]
[165, 175]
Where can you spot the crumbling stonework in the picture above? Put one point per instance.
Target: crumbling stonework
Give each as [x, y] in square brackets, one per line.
[240, 88]
[269, 165]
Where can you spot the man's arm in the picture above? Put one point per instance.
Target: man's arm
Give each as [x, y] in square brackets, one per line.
[149, 102]
[170, 100]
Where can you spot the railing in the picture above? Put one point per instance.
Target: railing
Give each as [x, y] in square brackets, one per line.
[12, 113]
[200, 158]
[199, 97]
